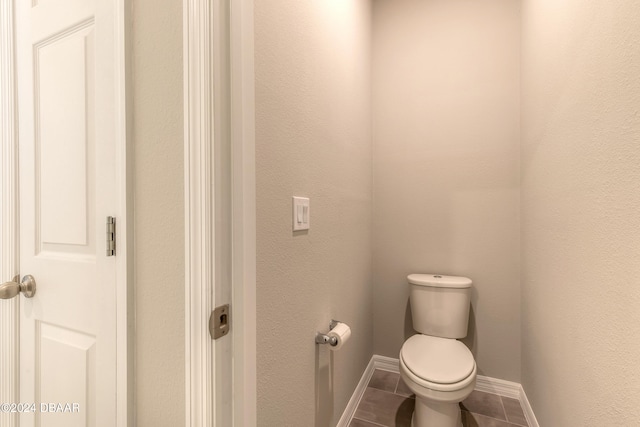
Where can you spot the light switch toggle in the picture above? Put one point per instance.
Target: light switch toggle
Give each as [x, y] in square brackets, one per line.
[301, 213]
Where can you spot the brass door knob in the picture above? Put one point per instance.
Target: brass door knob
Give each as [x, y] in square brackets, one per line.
[9, 290]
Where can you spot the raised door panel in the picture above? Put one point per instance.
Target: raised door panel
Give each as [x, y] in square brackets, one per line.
[65, 378]
[64, 142]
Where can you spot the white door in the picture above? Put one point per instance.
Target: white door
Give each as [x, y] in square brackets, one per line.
[67, 122]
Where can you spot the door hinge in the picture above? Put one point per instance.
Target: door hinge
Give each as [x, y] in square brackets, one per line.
[219, 321]
[111, 236]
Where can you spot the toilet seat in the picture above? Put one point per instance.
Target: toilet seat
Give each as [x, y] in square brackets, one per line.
[436, 363]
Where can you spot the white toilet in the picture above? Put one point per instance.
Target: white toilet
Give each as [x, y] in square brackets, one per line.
[438, 368]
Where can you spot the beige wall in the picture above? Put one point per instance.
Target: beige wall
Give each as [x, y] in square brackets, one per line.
[159, 212]
[580, 207]
[313, 139]
[446, 185]
[446, 166]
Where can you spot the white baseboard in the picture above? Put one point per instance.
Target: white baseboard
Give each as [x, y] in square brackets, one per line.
[345, 419]
[497, 386]
[485, 384]
[508, 389]
[386, 363]
[526, 408]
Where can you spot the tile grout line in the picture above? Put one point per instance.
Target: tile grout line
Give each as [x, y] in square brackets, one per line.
[413, 396]
[496, 419]
[388, 392]
[507, 415]
[367, 421]
[395, 390]
[504, 410]
[353, 416]
[368, 387]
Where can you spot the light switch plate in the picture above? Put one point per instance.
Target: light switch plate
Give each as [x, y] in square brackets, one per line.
[301, 213]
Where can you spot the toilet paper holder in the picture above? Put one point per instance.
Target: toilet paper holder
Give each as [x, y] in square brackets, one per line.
[326, 339]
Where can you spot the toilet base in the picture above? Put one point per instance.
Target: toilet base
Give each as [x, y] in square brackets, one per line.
[429, 413]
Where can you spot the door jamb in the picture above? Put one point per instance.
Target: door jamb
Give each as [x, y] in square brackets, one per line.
[125, 265]
[199, 230]
[9, 243]
[198, 192]
[244, 211]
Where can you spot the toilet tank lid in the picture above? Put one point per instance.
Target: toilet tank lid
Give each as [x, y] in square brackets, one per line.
[439, 281]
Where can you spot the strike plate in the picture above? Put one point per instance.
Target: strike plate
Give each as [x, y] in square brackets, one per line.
[219, 322]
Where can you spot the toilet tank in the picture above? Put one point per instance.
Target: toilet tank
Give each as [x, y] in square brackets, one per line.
[440, 304]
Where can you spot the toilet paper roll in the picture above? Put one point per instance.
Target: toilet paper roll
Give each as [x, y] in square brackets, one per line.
[342, 332]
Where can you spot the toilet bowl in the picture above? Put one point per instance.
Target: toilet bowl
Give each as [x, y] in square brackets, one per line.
[441, 372]
[438, 368]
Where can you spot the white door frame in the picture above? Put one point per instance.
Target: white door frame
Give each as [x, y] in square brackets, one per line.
[244, 212]
[9, 241]
[125, 265]
[199, 32]
[9, 249]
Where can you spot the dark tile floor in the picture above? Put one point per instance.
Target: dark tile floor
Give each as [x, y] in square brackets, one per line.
[387, 402]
